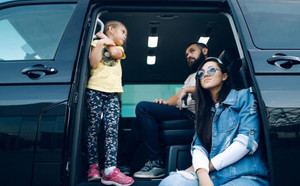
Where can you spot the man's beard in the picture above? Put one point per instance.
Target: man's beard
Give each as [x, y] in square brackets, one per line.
[194, 66]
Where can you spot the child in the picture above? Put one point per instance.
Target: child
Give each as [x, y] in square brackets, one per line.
[102, 96]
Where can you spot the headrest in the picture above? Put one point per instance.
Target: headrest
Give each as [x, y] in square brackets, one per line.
[228, 56]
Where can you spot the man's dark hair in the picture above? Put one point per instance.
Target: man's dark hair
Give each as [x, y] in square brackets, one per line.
[199, 45]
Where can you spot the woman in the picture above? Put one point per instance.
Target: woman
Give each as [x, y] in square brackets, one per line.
[226, 149]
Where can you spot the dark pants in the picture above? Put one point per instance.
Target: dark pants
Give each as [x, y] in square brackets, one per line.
[146, 127]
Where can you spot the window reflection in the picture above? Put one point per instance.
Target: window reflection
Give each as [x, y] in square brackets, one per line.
[32, 32]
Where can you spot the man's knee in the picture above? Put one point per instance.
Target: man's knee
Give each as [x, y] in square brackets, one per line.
[142, 107]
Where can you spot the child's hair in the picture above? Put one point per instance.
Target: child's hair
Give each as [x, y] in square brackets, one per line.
[114, 24]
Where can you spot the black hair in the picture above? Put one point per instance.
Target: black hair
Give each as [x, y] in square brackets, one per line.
[204, 103]
[199, 45]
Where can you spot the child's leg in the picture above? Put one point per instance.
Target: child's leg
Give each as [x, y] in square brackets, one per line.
[112, 175]
[94, 109]
[111, 109]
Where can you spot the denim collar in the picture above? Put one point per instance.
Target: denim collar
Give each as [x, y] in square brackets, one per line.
[230, 99]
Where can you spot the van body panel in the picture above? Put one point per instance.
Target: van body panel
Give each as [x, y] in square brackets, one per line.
[32, 122]
[34, 112]
[278, 89]
[42, 113]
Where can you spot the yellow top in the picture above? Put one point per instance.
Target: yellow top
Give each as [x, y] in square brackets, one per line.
[107, 76]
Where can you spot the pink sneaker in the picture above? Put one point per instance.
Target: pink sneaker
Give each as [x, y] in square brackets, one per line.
[116, 178]
[93, 173]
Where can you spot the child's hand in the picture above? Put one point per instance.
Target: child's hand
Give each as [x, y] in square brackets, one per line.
[108, 42]
[101, 35]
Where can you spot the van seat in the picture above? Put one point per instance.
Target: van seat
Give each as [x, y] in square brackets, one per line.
[177, 132]
[232, 61]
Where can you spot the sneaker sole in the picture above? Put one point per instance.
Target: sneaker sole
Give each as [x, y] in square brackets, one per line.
[94, 179]
[147, 176]
[114, 183]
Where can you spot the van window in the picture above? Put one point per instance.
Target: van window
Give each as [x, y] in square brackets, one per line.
[273, 24]
[32, 32]
[134, 93]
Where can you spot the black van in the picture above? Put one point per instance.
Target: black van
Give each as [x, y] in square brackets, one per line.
[44, 68]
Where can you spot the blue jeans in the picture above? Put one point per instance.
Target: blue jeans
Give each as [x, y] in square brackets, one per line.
[177, 179]
[146, 127]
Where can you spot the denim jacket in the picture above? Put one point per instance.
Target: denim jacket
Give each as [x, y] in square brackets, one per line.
[236, 116]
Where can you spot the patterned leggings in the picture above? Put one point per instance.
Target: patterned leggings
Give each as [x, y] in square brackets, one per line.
[108, 103]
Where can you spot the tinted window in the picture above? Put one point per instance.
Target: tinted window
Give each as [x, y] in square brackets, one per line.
[133, 94]
[274, 24]
[32, 32]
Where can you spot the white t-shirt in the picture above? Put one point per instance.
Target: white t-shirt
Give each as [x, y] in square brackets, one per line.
[190, 81]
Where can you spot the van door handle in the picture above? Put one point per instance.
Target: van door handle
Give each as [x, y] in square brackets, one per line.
[38, 71]
[283, 61]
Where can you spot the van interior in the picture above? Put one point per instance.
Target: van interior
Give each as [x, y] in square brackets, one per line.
[164, 76]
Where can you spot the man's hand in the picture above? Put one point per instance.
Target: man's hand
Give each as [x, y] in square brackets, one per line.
[181, 95]
[161, 101]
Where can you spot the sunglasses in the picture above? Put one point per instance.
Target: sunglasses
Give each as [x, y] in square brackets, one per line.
[210, 71]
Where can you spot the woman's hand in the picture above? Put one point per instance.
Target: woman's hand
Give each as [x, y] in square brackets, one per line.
[191, 168]
[204, 179]
[211, 167]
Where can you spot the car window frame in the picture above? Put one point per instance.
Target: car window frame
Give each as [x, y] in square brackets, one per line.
[66, 54]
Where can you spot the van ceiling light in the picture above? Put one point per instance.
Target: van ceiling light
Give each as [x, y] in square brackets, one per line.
[151, 60]
[203, 40]
[152, 41]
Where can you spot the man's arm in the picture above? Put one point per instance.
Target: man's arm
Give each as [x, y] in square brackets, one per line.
[173, 100]
[176, 99]
[181, 95]
[170, 101]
